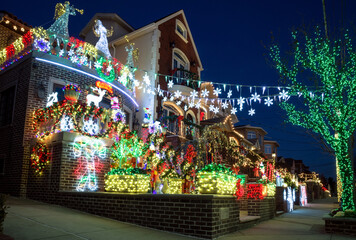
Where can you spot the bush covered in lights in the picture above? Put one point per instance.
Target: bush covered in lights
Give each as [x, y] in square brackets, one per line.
[131, 180]
[216, 179]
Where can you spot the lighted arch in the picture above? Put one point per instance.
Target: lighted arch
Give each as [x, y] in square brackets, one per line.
[175, 106]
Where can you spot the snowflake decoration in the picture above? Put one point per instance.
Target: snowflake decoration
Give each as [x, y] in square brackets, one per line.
[211, 108]
[216, 110]
[241, 102]
[225, 105]
[229, 93]
[185, 108]
[177, 94]
[136, 83]
[164, 99]
[66, 123]
[197, 105]
[90, 127]
[42, 45]
[97, 65]
[194, 94]
[171, 98]
[233, 111]
[179, 103]
[217, 91]
[170, 84]
[74, 59]
[71, 52]
[183, 97]
[251, 112]
[61, 53]
[52, 98]
[83, 59]
[205, 93]
[191, 104]
[109, 68]
[283, 94]
[269, 101]
[255, 97]
[146, 79]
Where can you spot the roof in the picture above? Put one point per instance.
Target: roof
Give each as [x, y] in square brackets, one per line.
[112, 16]
[271, 141]
[12, 16]
[154, 25]
[249, 126]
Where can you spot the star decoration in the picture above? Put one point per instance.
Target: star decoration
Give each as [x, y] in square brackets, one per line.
[225, 105]
[233, 110]
[177, 94]
[170, 84]
[229, 93]
[194, 94]
[217, 91]
[205, 93]
[283, 94]
[255, 97]
[241, 102]
[146, 79]
[251, 112]
[269, 101]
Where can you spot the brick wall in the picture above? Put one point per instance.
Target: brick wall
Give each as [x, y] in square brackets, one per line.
[265, 208]
[281, 204]
[340, 225]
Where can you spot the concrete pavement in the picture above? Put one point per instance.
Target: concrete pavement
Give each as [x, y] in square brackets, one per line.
[29, 219]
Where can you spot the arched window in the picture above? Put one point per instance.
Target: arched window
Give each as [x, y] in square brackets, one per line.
[181, 30]
[180, 62]
[170, 115]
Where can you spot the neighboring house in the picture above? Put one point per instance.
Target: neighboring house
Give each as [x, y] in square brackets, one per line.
[166, 47]
[270, 149]
[253, 134]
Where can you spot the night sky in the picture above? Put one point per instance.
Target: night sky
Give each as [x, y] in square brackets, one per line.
[232, 38]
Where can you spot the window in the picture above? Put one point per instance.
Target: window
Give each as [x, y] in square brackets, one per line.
[180, 61]
[251, 135]
[105, 103]
[181, 30]
[58, 88]
[172, 124]
[7, 100]
[268, 148]
[189, 134]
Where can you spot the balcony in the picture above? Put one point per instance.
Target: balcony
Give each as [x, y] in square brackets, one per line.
[185, 78]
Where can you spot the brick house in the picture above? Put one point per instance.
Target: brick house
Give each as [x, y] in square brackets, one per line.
[166, 47]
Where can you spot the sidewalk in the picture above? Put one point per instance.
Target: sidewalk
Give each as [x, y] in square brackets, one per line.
[29, 219]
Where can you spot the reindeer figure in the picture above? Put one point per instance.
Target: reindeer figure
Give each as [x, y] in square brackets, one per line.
[91, 98]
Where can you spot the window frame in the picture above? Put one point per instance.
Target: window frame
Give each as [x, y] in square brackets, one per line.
[270, 148]
[250, 132]
[184, 35]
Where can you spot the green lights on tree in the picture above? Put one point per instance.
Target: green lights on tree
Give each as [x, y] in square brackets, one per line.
[330, 109]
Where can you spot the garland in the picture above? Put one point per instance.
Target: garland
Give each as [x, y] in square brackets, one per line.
[39, 157]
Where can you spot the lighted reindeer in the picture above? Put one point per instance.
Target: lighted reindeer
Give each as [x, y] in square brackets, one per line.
[91, 98]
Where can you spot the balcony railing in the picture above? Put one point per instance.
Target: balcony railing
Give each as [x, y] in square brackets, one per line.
[185, 78]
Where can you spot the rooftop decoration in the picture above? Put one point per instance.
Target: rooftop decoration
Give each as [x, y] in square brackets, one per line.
[101, 32]
[61, 16]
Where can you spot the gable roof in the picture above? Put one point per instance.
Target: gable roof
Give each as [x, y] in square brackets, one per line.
[112, 16]
[154, 25]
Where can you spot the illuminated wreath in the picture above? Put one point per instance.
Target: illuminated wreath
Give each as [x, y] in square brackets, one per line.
[101, 68]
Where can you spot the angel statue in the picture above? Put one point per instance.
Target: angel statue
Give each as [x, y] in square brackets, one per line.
[61, 14]
[102, 33]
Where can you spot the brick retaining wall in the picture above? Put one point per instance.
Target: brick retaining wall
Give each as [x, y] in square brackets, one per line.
[265, 208]
[340, 225]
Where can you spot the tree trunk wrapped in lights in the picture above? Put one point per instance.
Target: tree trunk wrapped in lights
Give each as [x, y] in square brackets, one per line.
[330, 109]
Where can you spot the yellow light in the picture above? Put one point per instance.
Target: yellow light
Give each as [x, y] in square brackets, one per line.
[15, 27]
[7, 21]
[22, 29]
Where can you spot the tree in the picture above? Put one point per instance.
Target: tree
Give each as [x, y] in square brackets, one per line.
[330, 106]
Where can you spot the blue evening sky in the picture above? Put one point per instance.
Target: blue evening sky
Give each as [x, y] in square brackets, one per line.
[232, 38]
